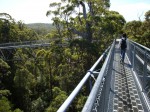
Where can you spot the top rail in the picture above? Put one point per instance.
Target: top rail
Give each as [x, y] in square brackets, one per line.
[140, 45]
[28, 42]
[25, 44]
[67, 102]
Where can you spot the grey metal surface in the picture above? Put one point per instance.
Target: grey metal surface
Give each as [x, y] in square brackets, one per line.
[139, 57]
[126, 96]
[32, 44]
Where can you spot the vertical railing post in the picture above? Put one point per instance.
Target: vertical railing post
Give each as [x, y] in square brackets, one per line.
[131, 53]
[90, 83]
[144, 71]
[133, 58]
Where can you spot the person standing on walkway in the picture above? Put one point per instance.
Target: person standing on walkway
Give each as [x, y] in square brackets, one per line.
[123, 46]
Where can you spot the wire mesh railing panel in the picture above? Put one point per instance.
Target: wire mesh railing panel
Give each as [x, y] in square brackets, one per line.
[99, 96]
[139, 56]
[140, 61]
[147, 81]
[130, 49]
[103, 103]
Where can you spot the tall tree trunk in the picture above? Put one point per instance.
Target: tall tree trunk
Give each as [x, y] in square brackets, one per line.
[88, 25]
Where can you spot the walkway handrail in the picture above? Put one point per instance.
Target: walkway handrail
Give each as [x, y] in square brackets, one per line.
[68, 101]
[140, 45]
[27, 42]
[140, 78]
[93, 94]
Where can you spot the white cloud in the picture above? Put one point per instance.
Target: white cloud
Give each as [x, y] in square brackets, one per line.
[28, 11]
[31, 11]
[131, 11]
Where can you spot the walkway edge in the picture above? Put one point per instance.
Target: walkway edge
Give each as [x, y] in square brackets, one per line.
[145, 98]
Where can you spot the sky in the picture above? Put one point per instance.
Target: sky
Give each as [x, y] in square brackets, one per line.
[34, 11]
[131, 9]
[28, 11]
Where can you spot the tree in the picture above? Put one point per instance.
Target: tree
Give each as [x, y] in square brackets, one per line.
[139, 30]
[147, 16]
[5, 105]
[133, 28]
[82, 19]
[59, 97]
[5, 17]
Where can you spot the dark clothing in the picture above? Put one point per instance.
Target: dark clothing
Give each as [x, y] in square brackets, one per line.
[123, 47]
[123, 43]
[123, 51]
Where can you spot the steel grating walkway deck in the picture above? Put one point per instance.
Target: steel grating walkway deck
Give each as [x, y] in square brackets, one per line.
[125, 93]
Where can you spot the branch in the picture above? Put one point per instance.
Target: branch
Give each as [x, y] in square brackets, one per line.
[78, 32]
[84, 10]
[91, 8]
[80, 20]
[6, 15]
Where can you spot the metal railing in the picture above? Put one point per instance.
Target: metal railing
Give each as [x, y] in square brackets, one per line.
[27, 42]
[98, 98]
[68, 101]
[31, 44]
[139, 57]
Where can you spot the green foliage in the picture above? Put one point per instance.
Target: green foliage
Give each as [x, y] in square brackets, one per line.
[5, 105]
[133, 28]
[17, 110]
[147, 15]
[5, 93]
[24, 79]
[4, 67]
[41, 28]
[59, 97]
[12, 32]
[38, 105]
[80, 103]
[139, 30]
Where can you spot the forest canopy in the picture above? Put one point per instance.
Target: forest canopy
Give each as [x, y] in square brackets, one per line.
[40, 79]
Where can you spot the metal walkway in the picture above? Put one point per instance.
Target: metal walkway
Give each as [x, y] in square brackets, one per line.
[118, 87]
[126, 97]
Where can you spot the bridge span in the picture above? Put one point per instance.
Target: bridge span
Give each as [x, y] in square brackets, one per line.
[118, 87]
